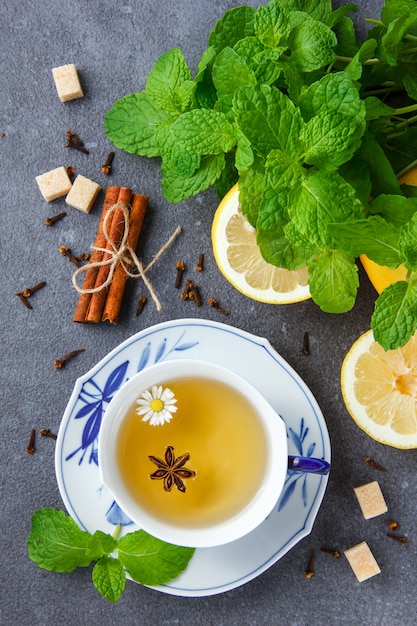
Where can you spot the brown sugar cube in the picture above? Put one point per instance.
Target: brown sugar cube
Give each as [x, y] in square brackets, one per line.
[67, 82]
[362, 561]
[371, 500]
[82, 194]
[54, 184]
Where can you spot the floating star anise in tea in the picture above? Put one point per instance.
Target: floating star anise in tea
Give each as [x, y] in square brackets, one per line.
[172, 470]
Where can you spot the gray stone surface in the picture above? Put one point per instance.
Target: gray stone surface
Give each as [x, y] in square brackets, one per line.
[114, 46]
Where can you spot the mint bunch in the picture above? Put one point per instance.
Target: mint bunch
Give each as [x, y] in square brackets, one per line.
[57, 544]
[315, 126]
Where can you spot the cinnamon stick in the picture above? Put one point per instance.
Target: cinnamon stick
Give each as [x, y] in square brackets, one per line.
[116, 289]
[115, 233]
[111, 196]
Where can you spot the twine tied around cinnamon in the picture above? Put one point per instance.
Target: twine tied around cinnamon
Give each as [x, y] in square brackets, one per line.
[123, 255]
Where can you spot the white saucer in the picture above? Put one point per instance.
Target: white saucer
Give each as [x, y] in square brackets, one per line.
[211, 570]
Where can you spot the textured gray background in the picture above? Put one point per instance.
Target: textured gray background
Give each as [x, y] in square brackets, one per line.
[114, 45]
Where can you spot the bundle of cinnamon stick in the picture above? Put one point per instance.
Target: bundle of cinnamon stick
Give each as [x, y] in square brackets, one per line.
[105, 304]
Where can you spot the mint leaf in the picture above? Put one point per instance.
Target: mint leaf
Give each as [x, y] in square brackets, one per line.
[333, 93]
[230, 71]
[56, 542]
[408, 244]
[203, 131]
[165, 83]
[395, 209]
[151, 561]
[272, 240]
[331, 140]
[235, 24]
[335, 118]
[375, 108]
[244, 153]
[109, 578]
[323, 198]
[283, 172]
[365, 52]
[347, 44]
[100, 544]
[394, 8]
[333, 281]
[260, 59]
[339, 15]
[228, 177]
[394, 319]
[132, 122]
[392, 39]
[176, 187]
[373, 236]
[252, 183]
[269, 119]
[271, 24]
[382, 175]
[312, 45]
[357, 175]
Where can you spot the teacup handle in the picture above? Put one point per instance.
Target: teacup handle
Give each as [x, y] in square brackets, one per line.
[307, 464]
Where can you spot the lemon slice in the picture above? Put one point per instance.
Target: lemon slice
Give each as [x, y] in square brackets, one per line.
[380, 390]
[241, 263]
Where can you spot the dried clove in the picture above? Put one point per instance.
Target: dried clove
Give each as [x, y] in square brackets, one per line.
[65, 251]
[185, 292]
[334, 553]
[305, 349]
[30, 290]
[30, 449]
[73, 141]
[27, 292]
[50, 221]
[215, 305]
[107, 165]
[194, 295]
[70, 170]
[45, 432]
[191, 291]
[309, 572]
[401, 540]
[85, 256]
[180, 267]
[200, 263]
[141, 304]
[59, 363]
[24, 300]
[393, 525]
[373, 464]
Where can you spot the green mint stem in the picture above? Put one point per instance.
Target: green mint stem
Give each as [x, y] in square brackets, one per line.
[373, 61]
[406, 123]
[372, 21]
[411, 37]
[385, 90]
[117, 531]
[406, 169]
[408, 109]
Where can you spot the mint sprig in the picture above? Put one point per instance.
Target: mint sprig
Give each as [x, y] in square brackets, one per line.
[315, 125]
[57, 544]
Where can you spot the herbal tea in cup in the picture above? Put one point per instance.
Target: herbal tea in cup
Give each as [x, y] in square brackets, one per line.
[193, 453]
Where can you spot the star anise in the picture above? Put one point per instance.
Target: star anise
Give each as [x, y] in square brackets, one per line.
[172, 469]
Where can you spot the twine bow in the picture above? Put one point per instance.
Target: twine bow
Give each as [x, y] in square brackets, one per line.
[123, 255]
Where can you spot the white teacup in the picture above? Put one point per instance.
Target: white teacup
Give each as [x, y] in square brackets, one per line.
[235, 448]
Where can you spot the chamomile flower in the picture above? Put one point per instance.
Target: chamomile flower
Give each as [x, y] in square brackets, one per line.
[156, 405]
